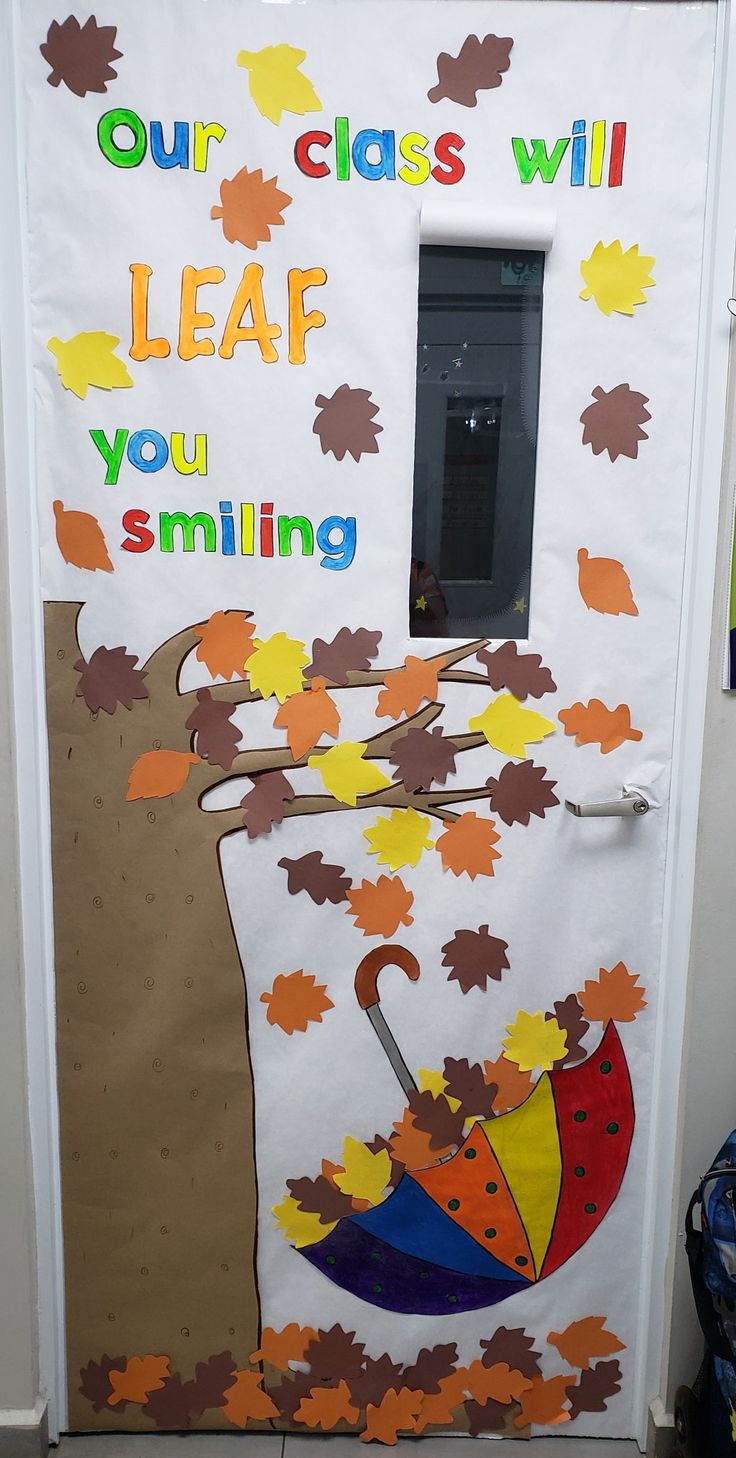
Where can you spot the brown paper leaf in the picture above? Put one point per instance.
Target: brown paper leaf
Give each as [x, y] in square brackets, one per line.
[372, 1384]
[287, 1395]
[80, 55]
[594, 1387]
[110, 678]
[218, 737]
[351, 651]
[345, 423]
[251, 207]
[466, 1081]
[475, 957]
[320, 1197]
[431, 1365]
[434, 1117]
[521, 673]
[264, 804]
[175, 1405]
[321, 881]
[613, 423]
[95, 1380]
[478, 66]
[334, 1354]
[487, 1417]
[569, 1015]
[512, 1346]
[521, 791]
[422, 757]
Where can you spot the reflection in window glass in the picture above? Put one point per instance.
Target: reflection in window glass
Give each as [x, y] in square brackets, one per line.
[480, 322]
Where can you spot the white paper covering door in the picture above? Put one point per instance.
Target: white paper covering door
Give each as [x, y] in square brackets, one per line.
[415, 1203]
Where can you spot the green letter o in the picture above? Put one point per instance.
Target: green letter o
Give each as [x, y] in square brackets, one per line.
[119, 156]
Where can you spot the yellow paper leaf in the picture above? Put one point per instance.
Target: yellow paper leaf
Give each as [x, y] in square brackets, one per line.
[276, 83]
[509, 728]
[300, 1226]
[399, 839]
[534, 1041]
[365, 1175]
[88, 359]
[615, 279]
[275, 666]
[432, 1081]
[346, 774]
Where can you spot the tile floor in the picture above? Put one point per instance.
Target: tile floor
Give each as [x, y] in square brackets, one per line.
[264, 1445]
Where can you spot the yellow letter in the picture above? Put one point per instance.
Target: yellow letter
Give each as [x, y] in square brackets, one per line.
[203, 135]
[412, 147]
[301, 279]
[191, 279]
[178, 459]
[250, 293]
[141, 346]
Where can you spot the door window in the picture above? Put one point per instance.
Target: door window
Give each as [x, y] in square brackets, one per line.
[479, 338]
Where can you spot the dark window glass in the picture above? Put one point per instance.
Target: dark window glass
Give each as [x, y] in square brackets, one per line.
[480, 322]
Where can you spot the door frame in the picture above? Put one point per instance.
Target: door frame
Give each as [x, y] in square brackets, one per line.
[31, 756]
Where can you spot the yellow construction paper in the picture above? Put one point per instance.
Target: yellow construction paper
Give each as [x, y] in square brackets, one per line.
[526, 1143]
[275, 666]
[365, 1175]
[276, 83]
[301, 1227]
[345, 773]
[88, 359]
[534, 1041]
[509, 728]
[399, 839]
[615, 279]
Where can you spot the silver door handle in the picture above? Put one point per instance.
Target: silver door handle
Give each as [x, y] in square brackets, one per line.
[631, 803]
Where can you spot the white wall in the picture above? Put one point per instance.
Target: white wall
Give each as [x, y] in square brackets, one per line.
[18, 1327]
[708, 1091]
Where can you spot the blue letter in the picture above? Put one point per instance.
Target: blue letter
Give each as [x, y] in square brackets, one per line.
[338, 555]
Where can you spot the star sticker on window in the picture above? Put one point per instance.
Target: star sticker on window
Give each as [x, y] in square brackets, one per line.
[421, 604]
[520, 605]
[458, 364]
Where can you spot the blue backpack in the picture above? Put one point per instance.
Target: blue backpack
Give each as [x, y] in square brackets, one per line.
[711, 1252]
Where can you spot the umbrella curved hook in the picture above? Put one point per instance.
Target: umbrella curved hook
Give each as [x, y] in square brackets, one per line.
[366, 991]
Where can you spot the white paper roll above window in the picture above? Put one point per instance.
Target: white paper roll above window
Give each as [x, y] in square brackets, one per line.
[480, 227]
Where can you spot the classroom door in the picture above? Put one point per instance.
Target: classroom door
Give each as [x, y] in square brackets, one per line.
[353, 623]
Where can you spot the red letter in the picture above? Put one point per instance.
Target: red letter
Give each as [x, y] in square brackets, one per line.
[301, 153]
[445, 149]
[140, 539]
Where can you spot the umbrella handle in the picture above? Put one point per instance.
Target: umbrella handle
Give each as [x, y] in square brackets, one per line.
[366, 977]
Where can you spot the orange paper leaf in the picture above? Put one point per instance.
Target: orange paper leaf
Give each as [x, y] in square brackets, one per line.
[226, 644]
[614, 996]
[307, 716]
[279, 1348]
[467, 846]
[397, 1412]
[407, 687]
[140, 1376]
[593, 723]
[438, 1408]
[585, 1340]
[325, 1407]
[295, 1000]
[542, 1402]
[81, 540]
[512, 1086]
[498, 1383]
[604, 585]
[380, 908]
[158, 773]
[251, 207]
[245, 1400]
[412, 1146]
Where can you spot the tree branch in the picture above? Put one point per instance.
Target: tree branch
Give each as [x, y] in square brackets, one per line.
[242, 693]
[394, 797]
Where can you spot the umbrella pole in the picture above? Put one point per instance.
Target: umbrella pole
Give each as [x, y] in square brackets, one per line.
[366, 988]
